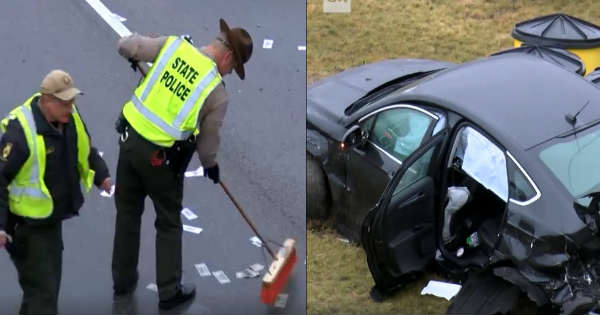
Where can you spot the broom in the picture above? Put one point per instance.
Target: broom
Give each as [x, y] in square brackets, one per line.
[282, 265]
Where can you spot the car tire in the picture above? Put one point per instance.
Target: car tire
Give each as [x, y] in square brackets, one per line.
[485, 293]
[317, 192]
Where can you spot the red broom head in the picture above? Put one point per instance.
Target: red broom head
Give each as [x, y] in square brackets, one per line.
[278, 273]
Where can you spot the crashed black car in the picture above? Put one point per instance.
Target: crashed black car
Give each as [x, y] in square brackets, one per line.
[488, 169]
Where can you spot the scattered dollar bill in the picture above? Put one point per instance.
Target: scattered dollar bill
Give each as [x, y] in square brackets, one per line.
[152, 287]
[195, 173]
[189, 214]
[192, 229]
[267, 43]
[112, 192]
[251, 273]
[118, 17]
[281, 300]
[202, 269]
[257, 267]
[221, 277]
[256, 241]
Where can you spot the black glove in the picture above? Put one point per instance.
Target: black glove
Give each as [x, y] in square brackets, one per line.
[213, 173]
[133, 63]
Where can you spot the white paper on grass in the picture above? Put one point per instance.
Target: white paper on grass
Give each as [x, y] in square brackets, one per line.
[112, 192]
[256, 241]
[485, 162]
[221, 277]
[267, 43]
[281, 300]
[192, 229]
[195, 173]
[444, 290]
[189, 214]
[202, 269]
[152, 287]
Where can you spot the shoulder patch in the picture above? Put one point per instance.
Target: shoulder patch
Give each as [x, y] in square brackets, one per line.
[6, 151]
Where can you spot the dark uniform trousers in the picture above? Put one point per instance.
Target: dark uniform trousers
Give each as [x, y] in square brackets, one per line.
[37, 256]
[136, 179]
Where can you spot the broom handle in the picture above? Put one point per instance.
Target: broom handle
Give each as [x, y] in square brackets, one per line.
[246, 218]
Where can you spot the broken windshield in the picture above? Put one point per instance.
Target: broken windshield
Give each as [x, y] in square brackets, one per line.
[574, 161]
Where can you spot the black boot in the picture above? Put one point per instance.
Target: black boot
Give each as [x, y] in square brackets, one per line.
[185, 293]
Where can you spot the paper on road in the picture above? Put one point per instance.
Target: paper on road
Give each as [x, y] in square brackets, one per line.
[189, 214]
[281, 300]
[441, 289]
[192, 229]
[267, 43]
[256, 241]
[195, 173]
[257, 267]
[221, 277]
[152, 287]
[202, 269]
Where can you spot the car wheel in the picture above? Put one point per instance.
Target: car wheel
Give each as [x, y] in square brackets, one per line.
[317, 192]
[485, 293]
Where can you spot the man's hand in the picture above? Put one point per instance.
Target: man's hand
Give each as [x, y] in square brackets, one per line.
[106, 185]
[213, 173]
[3, 239]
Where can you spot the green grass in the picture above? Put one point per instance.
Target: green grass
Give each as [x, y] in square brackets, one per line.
[338, 276]
[339, 281]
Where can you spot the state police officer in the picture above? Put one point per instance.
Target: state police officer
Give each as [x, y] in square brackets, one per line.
[178, 107]
[46, 158]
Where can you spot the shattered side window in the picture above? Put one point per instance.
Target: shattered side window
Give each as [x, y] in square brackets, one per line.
[482, 160]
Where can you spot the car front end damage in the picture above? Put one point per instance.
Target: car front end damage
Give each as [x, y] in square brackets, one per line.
[552, 268]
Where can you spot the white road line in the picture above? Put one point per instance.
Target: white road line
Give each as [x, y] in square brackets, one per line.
[109, 17]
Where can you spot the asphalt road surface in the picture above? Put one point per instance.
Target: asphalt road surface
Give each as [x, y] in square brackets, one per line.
[262, 152]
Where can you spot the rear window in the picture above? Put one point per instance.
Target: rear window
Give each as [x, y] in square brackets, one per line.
[575, 161]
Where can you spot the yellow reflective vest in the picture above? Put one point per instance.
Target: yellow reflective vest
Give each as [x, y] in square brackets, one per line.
[28, 195]
[164, 107]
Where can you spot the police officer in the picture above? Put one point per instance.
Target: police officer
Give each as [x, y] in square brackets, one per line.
[178, 107]
[46, 157]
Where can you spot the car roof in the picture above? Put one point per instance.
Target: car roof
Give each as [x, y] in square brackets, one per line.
[520, 99]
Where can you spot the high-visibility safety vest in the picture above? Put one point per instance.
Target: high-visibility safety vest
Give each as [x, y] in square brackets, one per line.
[164, 107]
[28, 195]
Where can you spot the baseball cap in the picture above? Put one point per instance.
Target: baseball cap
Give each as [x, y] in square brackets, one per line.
[60, 84]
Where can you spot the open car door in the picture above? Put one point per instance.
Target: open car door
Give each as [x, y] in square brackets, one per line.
[398, 235]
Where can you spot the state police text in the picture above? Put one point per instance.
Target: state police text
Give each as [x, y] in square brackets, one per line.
[174, 84]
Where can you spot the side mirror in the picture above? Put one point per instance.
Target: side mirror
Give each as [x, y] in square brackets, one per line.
[355, 136]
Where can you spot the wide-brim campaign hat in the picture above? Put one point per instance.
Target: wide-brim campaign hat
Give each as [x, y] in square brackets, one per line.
[240, 42]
